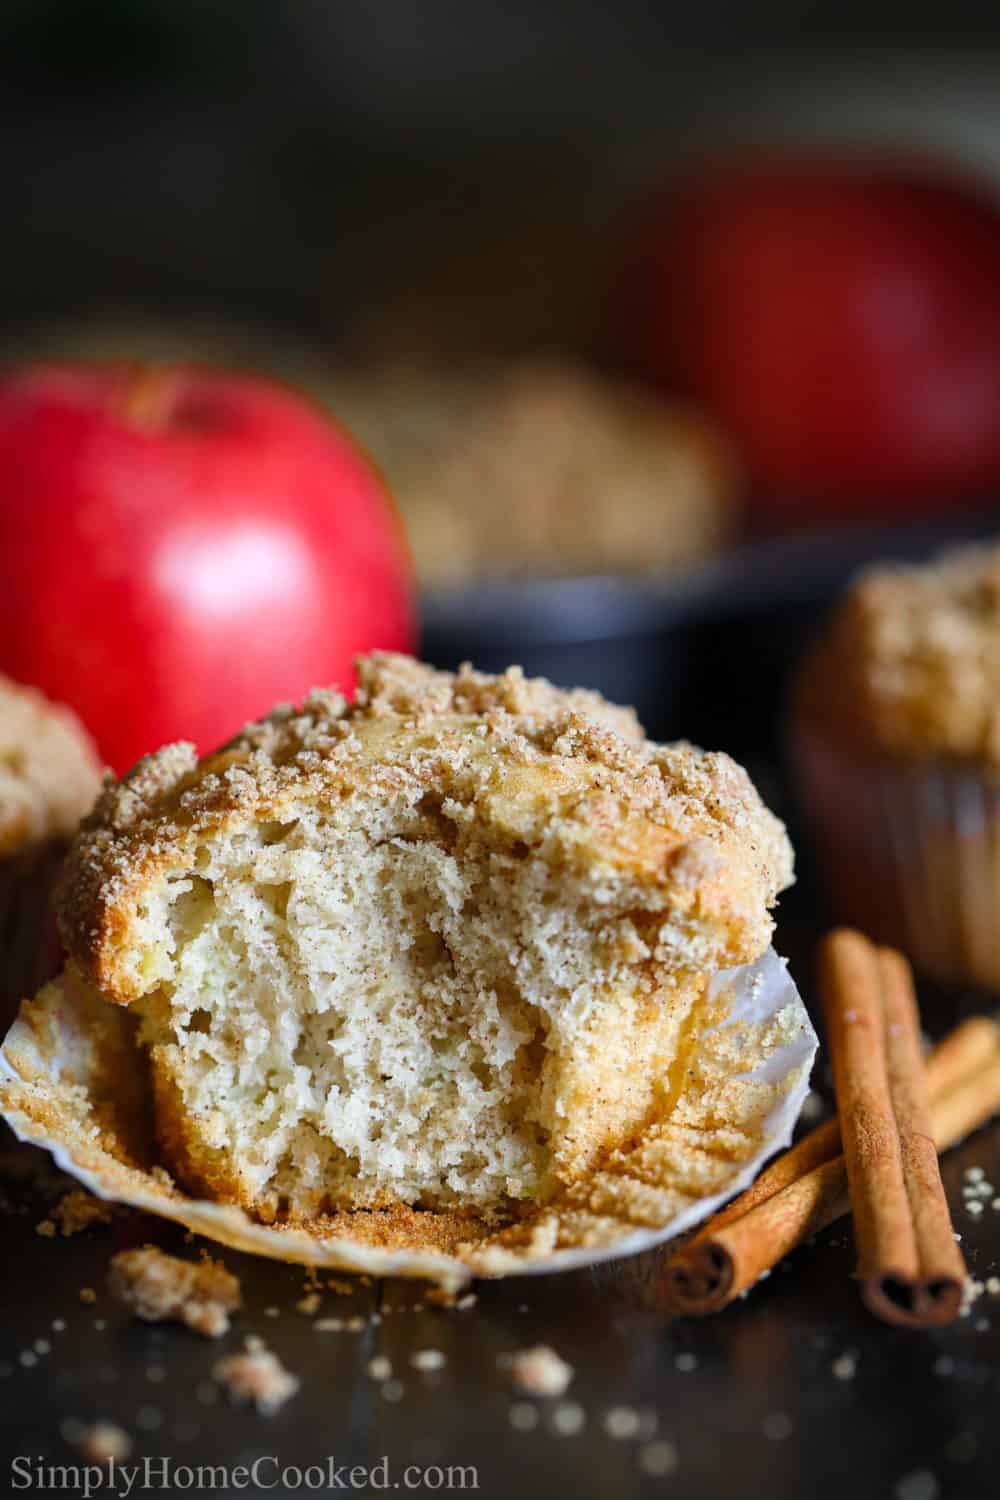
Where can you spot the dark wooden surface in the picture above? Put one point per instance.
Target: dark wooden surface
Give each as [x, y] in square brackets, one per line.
[750, 1399]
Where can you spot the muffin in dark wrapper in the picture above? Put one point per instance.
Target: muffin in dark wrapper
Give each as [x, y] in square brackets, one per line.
[896, 741]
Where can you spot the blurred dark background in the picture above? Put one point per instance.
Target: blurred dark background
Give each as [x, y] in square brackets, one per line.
[319, 166]
[392, 180]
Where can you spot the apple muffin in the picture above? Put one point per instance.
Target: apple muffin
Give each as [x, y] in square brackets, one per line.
[49, 777]
[435, 947]
[896, 735]
[540, 468]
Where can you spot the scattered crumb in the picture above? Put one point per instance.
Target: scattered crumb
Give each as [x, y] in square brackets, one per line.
[342, 1288]
[28, 1358]
[253, 1341]
[621, 1422]
[428, 1359]
[338, 1325]
[971, 1293]
[272, 1312]
[42, 1346]
[943, 1365]
[87, 1294]
[309, 1304]
[844, 1366]
[974, 1206]
[392, 1390]
[658, 1458]
[686, 1363]
[920, 1485]
[523, 1416]
[104, 1443]
[440, 1296]
[540, 1371]
[568, 1419]
[158, 1286]
[993, 1285]
[257, 1376]
[379, 1367]
[46, 1229]
[58, 1325]
[77, 1210]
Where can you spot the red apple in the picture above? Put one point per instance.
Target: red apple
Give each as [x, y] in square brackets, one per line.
[839, 317]
[181, 548]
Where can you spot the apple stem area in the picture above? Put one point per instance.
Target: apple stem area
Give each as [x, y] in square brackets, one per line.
[148, 397]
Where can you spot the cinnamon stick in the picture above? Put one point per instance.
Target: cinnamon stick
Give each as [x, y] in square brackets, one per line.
[806, 1189]
[928, 1289]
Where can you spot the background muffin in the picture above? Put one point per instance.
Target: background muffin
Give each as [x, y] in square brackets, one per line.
[540, 468]
[49, 777]
[897, 742]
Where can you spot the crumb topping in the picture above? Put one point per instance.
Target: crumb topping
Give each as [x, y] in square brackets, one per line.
[49, 773]
[910, 663]
[158, 1286]
[563, 772]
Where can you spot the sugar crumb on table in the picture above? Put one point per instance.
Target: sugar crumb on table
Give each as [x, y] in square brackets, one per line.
[104, 1443]
[428, 1359]
[158, 1286]
[259, 1376]
[540, 1371]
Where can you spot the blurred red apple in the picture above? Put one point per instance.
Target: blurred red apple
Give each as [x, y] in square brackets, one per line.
[840, 318]
[180, 549]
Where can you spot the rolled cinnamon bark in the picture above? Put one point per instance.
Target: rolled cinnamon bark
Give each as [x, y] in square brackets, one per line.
[807, 1188]
[930, 1291]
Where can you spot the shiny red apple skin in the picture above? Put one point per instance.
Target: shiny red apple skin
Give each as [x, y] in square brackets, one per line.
[839, 317]
[181, 549]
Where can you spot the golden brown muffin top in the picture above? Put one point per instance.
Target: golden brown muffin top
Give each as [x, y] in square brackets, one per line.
[563, 775]
[540, 468]
[49, 771]
[910, 663]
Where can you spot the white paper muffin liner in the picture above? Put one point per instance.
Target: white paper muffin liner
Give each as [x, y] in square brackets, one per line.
[911, 854]
[73, 1081]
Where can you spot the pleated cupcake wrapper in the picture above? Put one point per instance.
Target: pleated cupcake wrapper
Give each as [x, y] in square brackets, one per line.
[911, 855]
[73, 1080]
[29, 945]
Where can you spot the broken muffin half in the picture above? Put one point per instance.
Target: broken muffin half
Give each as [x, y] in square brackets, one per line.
[438, 946]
